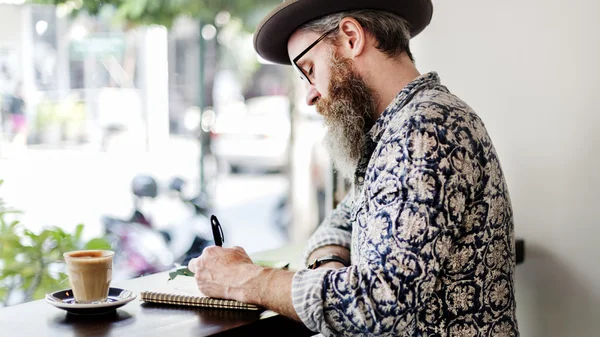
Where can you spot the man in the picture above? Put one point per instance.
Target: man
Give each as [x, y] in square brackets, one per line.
[424, 244]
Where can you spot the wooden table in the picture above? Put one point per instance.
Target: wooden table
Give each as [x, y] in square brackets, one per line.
[39, 319]
[137, 318]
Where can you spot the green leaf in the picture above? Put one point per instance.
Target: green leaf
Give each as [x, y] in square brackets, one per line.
[78, 232]
[181, 271]
[41, 239]
[273, 264]
[135, 8]
[25, 268]
[165, 12]
[30, 234]
[97, 243]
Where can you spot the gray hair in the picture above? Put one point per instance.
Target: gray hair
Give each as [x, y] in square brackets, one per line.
[390, 30]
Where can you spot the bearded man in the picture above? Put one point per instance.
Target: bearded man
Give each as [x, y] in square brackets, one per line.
[424, 243]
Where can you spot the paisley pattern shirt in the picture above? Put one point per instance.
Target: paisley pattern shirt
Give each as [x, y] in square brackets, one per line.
[429, 225]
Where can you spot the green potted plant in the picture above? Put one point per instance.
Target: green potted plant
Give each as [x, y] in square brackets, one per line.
[31, 264]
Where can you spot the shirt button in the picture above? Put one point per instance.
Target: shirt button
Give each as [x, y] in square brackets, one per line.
[361, 179]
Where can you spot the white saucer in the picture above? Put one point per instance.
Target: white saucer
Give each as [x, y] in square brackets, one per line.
[116, 298]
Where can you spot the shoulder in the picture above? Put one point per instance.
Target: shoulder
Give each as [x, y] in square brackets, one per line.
[434, 117]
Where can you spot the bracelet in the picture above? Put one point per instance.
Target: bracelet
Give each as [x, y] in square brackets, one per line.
[325, 259]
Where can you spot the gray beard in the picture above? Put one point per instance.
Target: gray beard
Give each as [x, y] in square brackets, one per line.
[345, 140]
[348, 114]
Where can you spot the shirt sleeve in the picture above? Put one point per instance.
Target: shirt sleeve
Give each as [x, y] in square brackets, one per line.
[416, 199]
[336, 229]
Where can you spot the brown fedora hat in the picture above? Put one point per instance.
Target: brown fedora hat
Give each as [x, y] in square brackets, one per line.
[272, 34]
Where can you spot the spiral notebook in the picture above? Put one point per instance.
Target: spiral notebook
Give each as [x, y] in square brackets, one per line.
[195, 301]
[184, 292]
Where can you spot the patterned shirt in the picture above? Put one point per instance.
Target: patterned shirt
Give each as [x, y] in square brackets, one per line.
[429, 225]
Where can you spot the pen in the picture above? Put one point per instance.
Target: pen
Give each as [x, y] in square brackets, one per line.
[217, 231]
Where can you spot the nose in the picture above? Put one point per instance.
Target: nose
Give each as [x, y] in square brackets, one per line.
[312, 95]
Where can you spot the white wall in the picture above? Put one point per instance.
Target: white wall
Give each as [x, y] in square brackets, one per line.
[531, 70]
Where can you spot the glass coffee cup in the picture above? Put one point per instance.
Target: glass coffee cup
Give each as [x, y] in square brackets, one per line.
[90, 274]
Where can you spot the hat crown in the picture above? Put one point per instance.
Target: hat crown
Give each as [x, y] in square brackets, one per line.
[272, 34]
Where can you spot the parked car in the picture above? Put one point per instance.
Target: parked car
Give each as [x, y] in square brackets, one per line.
[255, 135]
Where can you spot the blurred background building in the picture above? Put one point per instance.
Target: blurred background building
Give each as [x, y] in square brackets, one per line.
[114, 110]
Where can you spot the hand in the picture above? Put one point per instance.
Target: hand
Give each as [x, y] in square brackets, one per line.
[226, 273]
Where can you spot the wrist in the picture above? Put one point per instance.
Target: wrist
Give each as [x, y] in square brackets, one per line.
[340, 251]
[266, 284]
[259, 284]
[253, 285]
[327, 259]
[332, 265]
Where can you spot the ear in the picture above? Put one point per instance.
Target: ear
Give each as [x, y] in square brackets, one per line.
[352, 37]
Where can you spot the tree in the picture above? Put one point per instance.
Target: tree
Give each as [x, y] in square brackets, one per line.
[164, 12]
[134, 13]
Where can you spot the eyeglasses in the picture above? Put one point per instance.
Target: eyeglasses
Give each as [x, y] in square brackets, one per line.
[303, 75]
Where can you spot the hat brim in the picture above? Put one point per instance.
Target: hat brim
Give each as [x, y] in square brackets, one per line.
[272, 34]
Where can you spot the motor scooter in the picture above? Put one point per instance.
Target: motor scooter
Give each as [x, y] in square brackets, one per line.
[144, 249]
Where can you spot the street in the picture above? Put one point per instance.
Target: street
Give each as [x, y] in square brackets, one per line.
[65, 187]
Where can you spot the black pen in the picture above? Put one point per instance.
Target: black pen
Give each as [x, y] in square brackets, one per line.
[217, 231]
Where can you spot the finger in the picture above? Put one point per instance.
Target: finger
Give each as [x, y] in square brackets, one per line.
[240, 249]
[210, 250]
[213, 290]
[203, 276]
[210, 290]
[192, 265]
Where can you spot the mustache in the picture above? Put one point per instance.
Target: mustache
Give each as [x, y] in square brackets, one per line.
[348, 113]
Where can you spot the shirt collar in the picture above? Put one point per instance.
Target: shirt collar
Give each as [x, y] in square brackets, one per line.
[424, 81]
